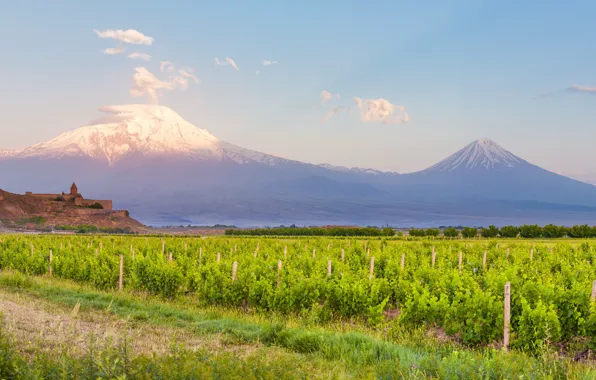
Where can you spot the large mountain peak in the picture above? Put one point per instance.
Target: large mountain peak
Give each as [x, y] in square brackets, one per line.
[480, 154]
[127, 129]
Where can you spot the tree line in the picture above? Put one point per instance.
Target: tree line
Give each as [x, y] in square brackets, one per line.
[313, 231]
[528, 231]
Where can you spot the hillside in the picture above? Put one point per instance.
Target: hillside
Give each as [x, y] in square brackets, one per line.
[22, 211]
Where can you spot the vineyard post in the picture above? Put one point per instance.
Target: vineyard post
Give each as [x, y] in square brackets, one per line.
[285, 252]
[507, 315]
[218, 257]
[234, 269]
[185, 247]
[372, 267]
[170, 257]
[32, 249]
[434, 256]
[200, 255]
[314, 251]
[163, 246]
[460, 261]
[329, 246]
[278, 273]
[593, 298]
[367, 252]
[531, 254]
[96, 252]
[51, 257]
[343, 254]
[403, 261]
[328, 268]
[132, 251]
[484, 260]
[120, 279]
[508, 251]
[61, 245]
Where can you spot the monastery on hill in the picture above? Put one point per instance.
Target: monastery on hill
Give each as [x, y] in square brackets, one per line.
[75, 197]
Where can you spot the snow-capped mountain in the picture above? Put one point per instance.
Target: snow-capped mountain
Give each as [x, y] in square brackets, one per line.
[480, 154]
[139, 129]
[148, 159]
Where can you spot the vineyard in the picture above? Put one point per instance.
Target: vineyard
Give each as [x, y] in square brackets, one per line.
[457, 286]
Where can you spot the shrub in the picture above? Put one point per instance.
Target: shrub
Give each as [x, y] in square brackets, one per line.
[530, 231]
[432, 232]
[96, 205]
[418, 232]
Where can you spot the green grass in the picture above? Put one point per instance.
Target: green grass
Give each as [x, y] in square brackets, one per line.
[362, 353]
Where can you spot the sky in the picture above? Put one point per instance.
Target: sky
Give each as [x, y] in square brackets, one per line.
[390, 85]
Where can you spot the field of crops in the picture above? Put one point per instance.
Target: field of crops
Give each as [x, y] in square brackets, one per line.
[457, 286]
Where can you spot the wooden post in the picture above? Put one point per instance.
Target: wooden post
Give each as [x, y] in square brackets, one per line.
[278, 273]
[508, 251]
[367, 252]
[461, 256]
[403, 261]
[120, 280]
[185, 247]
[329, 246]
[218, 257]
[256, 252]
[593, 298]
[234, 269]
[285, 252]
[132, 251]
[507, 315]
[484, 260]
[314, 251]
[32, 249]
[531, 254]
[328, 268]
[51, 257]
[170, 257]
[372, 267]
[434, 256]
[96, 252]
[343, 254]
[163, 246]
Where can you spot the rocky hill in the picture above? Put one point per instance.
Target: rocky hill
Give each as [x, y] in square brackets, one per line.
[30, 212]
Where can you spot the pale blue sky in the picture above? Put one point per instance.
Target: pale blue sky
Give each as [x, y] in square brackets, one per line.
[462, 69]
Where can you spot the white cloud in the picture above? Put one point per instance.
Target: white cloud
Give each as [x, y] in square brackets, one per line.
[269, 63]
[325, 96]
[145, 83]
[166, 66]
[142, 56]
[381, 111]
[579, 88]
[129, 36]
[228, 61]
[114, 51]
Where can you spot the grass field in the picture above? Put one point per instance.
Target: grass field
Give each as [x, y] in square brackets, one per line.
[325, 312]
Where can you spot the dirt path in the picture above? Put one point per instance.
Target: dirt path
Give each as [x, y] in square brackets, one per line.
[36, 325]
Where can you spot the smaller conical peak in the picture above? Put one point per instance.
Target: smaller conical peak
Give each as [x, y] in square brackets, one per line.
[483, 153]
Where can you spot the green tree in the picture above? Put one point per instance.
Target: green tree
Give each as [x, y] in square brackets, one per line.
[552, 232]
[490, 232]
[432, 232]
[469, 232]
[530, 231]
[509, 231]
[451, 232]
[417, 232]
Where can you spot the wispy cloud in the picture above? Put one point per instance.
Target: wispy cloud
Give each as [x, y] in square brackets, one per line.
[146, 83]
[580, 88]
[189, 73]
[226, 62]
[381, 111]
[129, 36]
[334, 111]
[114, 51]
[166, 66]
[141, 56]
[325, 96]
[269, 63]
